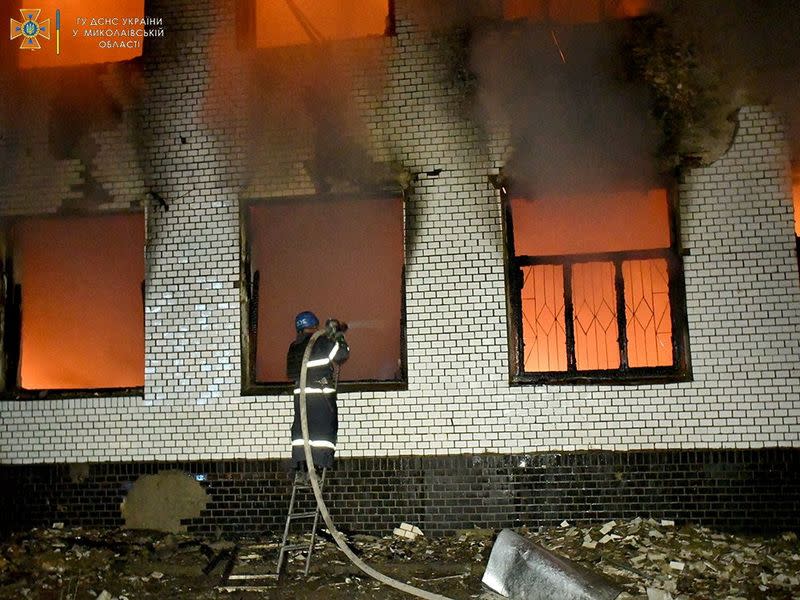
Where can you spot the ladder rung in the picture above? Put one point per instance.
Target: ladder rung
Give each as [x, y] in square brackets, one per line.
[290, 547]
[305, 515]
[306, 485]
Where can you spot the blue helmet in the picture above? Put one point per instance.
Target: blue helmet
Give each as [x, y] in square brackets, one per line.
[305, 319]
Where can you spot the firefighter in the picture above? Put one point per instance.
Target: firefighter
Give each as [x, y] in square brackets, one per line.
[329, 351]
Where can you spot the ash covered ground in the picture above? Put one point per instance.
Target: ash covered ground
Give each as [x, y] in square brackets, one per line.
[647, 558]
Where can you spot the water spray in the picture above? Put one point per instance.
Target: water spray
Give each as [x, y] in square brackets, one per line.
[366, 324]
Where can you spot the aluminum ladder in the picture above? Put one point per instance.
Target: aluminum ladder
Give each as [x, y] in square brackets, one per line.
[300, 483]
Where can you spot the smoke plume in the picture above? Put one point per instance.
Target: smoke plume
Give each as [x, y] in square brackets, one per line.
[579, 121]
[575, 125]
[754, 47]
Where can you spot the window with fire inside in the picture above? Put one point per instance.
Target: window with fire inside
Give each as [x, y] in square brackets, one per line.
[73, 310]
[596, 292]
[307, 253]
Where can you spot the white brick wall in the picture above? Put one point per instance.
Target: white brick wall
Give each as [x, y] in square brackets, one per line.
[743, 296]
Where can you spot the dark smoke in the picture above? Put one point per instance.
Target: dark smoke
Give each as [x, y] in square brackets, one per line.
[302, 102]
[441, 15]
[582, 122]
[575, 125]
[753, 45]
[50, 115]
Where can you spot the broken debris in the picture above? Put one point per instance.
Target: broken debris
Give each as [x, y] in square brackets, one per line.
[54, 563]
[407, 531]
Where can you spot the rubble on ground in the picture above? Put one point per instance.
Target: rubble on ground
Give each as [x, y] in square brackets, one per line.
[655, 560]
[649, 559]
[408, 531]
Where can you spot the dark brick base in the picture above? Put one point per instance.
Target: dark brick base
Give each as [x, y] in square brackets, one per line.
[754, 490]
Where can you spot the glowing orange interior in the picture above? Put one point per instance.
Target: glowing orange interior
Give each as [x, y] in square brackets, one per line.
[292, 22]
[543, 328]
[574, 11]
[796, 197]
[627, 220]
[79, 49]
[338, 257]
[606, 223]
[82, 313]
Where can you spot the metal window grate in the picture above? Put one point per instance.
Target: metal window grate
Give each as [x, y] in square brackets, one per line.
[595, 316]
[544, 336]
[649, 318]
[596, 313]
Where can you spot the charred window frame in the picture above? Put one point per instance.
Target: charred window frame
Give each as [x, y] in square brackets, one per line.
[10, 318]
[11, 307]
[679, 370]
[251, 298]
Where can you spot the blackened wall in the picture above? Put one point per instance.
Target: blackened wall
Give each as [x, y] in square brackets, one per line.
[741, 490]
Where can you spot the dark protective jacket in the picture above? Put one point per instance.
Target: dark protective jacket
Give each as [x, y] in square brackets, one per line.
[323, 420]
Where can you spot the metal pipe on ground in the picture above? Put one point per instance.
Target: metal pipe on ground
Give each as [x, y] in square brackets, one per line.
[521, 570]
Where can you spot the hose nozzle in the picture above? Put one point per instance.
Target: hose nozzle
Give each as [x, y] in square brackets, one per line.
[334, 327]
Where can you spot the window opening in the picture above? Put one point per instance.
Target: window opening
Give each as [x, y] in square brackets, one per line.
[339, 257]
[596, 288]
[78, 293]
[796, 202]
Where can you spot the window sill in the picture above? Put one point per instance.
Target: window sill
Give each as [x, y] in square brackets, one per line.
[630, 377]
[21, 394]
[276, 389]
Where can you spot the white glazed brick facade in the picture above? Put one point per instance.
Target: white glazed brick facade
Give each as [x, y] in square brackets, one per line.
[742, 284]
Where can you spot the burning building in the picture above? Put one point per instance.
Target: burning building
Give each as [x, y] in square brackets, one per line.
[570, 295]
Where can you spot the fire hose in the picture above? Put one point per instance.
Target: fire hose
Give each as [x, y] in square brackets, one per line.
[312, 476]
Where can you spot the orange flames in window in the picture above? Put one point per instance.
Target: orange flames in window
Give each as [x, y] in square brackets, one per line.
[574, 11]
[310, 256]
[606, 223]
[629, 220]
[293, 22]
[595, 316]
[595, 322]
[648, 313]
[82, 313]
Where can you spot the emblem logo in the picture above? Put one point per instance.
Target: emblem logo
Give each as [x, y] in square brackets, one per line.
[30, 29]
